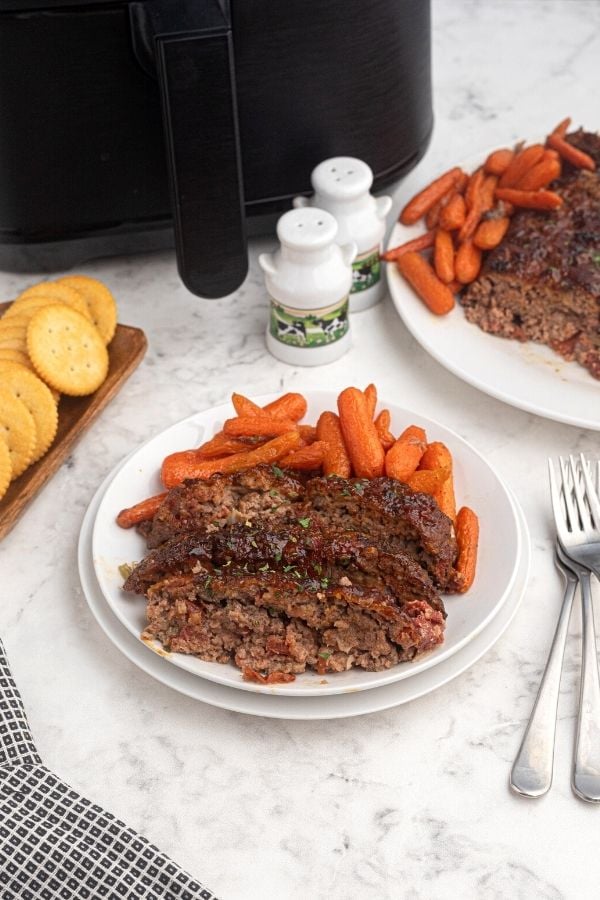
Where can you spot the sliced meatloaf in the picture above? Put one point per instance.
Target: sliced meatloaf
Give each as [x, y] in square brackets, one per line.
[271, 622]
[306, 550]
[542, 283]
[263, 491]
[389, 514]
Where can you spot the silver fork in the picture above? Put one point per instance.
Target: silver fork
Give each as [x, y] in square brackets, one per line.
[579, 536]
[531, 774]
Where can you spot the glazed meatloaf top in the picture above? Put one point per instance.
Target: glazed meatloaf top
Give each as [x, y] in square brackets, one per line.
[214, 502]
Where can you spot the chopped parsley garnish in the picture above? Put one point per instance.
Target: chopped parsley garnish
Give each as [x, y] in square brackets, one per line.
[596, 259]
[304, 522]
[324, 654]
[277, 472]
[359, 487]
[264, 568]
[287, 568]
[278, 556]
[324, 582]
[125, 570]
[273, 493]
[254, 544]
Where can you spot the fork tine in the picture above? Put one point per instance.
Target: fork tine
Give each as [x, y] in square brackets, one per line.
[591, 492]
[557, 506]
[572, 519]
[582, 508]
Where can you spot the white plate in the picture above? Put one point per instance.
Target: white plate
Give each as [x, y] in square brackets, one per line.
[529, 376]
[340, 706]
[477, 485]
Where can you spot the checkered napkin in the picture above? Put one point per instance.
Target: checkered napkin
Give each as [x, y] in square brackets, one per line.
[55, 844]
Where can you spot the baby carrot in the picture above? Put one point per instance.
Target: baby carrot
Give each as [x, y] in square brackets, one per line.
[422, 202]
[428, 481]
[467, 539]
[490, 233]
[306, 459]
[467, 262]
[562, 127]
[443, 256]
[382, 424]
[405, 454]
[474, 201]
[262, 424]
[371, 398]
[308, 433]
[360, 435]
[335, 456]
[522, 161]
[141, 512]
[423, 242]
[453, 214]
[426, 284]
[530, 199]
[498, 162]
[570, 153]
[288, 406]
[540, 175]
[438, 457]
[243, 406]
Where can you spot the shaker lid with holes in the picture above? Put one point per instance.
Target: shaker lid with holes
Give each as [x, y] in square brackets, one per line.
[306, 228]
[342, 178]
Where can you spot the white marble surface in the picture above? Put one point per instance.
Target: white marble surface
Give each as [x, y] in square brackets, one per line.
[411, 803]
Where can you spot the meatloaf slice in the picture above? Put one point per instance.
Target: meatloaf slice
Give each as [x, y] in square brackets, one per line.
[263, 491]
[389, 514]
[304, 550]
[542, 283]
[270, 622]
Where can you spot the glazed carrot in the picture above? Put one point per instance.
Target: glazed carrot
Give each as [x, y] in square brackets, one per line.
[186, 464]
[498, 162]
[405, 454]
[453, 214]
[335, 456]
[562, 127]
[141, 512]
[423, 242]
[249, 674]
[220, 445]
[262, 424]
[382, 424]
[522, 161]
[428, 481]
[243, 406]
[288, 406]
[437, 456]
[433, 216]
[422, 202]
[371, 398]
[360, 435]
[570, 153]
[468, 262]
[530, 199]
[467, 539]
[490, 232]
[426, 284]
[462, 181]
[306, 459]
[487, 192]
[540, 175]
[443, 256]
[474, 202]
[308, 433]
[455, 287]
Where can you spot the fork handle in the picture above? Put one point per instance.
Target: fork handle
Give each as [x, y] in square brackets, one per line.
[531, 774]
[586, 768]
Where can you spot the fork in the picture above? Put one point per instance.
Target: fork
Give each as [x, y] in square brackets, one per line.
[578, 528]
[531, 774]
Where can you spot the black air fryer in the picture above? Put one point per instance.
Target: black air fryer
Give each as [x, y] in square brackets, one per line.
[128, 126]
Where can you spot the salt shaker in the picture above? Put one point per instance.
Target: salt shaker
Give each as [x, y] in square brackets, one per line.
[342, 187]
[309, 280]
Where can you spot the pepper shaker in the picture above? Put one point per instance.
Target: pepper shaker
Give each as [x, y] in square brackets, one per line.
[342, 187]
[308, 280]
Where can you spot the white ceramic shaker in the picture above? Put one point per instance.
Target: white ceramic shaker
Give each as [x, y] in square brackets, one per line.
[308, 279]
[342, 187]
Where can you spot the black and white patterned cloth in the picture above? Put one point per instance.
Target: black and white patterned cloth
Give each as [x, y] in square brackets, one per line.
[55, 844]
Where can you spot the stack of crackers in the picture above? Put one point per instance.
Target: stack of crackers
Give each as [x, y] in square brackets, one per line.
[53, 341]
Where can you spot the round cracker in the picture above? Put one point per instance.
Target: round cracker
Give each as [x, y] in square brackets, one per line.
[100, 301]
[67, 351]
[14, 341]
[18, 321]
[18, 430]
[59, 293]
[36, 396]
[5, 468]
[18, 356]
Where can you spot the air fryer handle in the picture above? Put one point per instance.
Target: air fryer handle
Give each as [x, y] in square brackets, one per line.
[196, 77]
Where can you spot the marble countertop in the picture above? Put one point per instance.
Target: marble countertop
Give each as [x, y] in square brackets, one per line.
[409, 803]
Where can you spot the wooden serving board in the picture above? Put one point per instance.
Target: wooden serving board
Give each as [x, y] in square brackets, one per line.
[75, 414]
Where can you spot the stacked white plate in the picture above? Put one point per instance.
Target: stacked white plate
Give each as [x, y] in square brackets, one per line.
[475, 620]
